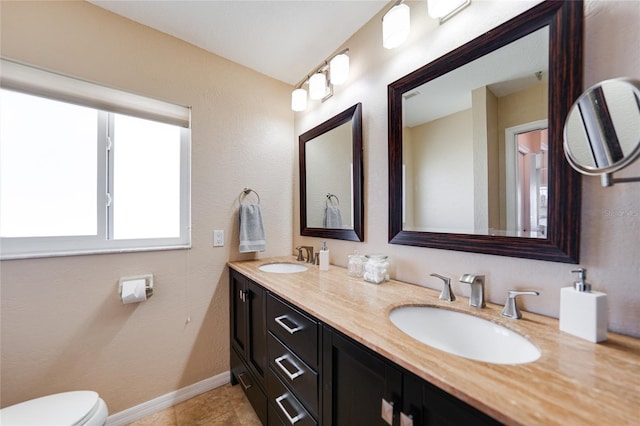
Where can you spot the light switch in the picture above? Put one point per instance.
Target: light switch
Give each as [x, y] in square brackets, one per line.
[218, 238]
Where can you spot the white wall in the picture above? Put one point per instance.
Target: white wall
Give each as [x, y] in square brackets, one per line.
[610, 236]
[443, 151]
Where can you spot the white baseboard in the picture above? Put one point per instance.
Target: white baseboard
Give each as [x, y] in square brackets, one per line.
[132, 414]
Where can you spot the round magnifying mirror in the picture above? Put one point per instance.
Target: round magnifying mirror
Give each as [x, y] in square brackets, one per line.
[602, 131]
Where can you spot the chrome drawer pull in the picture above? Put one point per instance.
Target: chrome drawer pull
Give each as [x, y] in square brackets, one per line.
[406, 420]
[285, 326]
[387, 411]
[290, 375]
[292, 420]
[244, 384]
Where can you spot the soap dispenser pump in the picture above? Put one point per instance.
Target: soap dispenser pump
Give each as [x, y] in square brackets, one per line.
[583, 312]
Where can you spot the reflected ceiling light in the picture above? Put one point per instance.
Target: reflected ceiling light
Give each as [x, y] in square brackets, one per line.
[445, 9]
[318, 86]
[396, 24]
[339, 69]
[333, 71]
[299, 99]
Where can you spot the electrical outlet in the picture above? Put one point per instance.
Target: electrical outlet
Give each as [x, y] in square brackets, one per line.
[218, 238]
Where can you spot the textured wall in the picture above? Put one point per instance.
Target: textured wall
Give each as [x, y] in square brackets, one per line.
[63, 326]
[610, 236]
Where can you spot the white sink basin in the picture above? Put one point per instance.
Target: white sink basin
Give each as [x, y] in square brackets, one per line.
[282, 268]
[464, 335]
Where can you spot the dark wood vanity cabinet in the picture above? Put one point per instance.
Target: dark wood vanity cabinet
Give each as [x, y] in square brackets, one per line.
[356, 383]
[248, 335]
[296, 370]
[362, 388]
[426, 404]
[293, 380]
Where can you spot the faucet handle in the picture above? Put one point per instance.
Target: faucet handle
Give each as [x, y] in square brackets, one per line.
[300, 257]
[511, 306]
[447, 293]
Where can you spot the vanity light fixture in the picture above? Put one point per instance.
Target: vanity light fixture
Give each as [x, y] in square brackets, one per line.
[318, 85]
[339, 69]
[445, 9]
[299, 99]
[333, 71]
[396, 24]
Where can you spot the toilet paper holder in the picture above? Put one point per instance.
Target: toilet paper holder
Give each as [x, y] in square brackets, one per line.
[148, 284]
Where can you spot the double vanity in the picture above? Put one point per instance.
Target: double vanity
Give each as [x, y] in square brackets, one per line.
[312, 347]
[320, 347]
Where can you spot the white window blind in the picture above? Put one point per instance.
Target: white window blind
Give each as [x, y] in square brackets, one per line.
[27, 79]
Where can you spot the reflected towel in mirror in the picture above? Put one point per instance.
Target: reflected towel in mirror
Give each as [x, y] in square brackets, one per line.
[252, 235]
[332, 217]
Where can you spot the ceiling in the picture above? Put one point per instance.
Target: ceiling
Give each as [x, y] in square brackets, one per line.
[283, 39]
[507, 70]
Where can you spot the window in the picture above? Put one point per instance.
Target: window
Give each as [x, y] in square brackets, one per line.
[76, 178]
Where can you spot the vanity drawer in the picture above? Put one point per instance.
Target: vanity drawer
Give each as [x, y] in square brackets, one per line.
[288, 409]
[293, 372]
[296, 330]
[249, 386]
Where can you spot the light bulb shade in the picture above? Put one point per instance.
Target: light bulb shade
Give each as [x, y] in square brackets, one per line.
[299, 100]
[318, 86]
[396, 25]
[339, 69]
[442, 9]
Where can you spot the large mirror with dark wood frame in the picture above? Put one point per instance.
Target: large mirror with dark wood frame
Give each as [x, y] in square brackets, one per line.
[331, 178]
[476, 161]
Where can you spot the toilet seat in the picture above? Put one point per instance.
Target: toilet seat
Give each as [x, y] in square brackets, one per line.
[62, 409]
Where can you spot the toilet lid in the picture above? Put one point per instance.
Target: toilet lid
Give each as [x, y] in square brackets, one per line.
[68, 409]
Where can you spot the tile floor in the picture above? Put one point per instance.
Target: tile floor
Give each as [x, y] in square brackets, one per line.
[226, 405]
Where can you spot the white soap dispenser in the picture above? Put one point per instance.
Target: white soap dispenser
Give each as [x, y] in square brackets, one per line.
[583, 312]
[324, 257]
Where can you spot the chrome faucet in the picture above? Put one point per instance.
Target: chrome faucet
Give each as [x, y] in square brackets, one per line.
[511, 306]
[447, 293]
[476, 299]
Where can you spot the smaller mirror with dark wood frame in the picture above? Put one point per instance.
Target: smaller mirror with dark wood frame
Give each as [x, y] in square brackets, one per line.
[331, 178]
[483, 213]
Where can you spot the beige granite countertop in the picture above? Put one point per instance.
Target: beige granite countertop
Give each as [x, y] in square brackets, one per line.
[574, 382]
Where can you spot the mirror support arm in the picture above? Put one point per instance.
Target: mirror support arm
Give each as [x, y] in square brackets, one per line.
[607, 179]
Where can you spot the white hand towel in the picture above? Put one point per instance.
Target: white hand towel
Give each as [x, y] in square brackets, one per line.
[332, 217]
[252, 236]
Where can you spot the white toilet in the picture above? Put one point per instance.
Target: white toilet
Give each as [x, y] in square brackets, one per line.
[78, 408]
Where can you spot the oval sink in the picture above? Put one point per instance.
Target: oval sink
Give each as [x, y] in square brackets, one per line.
[464, 335]
[282, 268]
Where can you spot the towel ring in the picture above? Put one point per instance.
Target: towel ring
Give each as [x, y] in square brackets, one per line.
[328, 200]
[246, 192]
